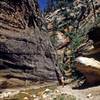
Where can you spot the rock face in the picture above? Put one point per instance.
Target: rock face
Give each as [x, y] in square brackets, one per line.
[26, 53]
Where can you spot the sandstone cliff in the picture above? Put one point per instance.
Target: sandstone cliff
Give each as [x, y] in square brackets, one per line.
[26, 54]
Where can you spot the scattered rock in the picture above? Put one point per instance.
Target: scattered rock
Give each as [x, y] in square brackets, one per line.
[89, 95]
[26, 98]
[47, 90]
[34, 96]
[62, 40]
[9, 94]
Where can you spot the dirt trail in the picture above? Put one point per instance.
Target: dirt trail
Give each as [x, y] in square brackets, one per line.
[92, 93]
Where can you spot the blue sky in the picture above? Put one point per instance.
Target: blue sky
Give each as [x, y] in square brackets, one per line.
[42, 4]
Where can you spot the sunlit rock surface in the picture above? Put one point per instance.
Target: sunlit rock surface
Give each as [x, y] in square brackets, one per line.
[90, 68]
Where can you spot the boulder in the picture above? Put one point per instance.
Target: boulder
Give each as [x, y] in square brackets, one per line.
[90, 68]
[62, 40]
[50, 26]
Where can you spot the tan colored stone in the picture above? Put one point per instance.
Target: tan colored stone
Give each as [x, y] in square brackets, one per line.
[62, 39]
[90, 68]
[66, 30]
[50, 26]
